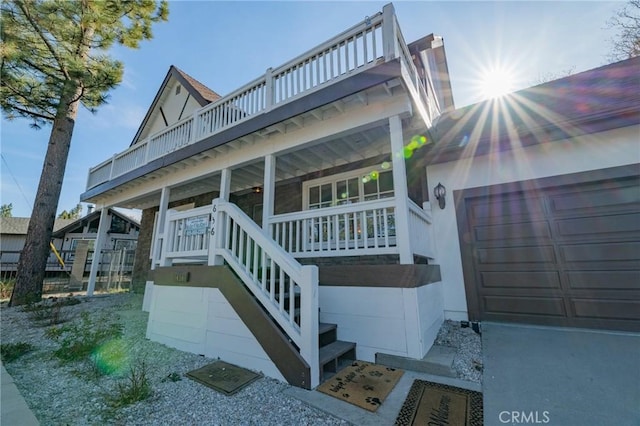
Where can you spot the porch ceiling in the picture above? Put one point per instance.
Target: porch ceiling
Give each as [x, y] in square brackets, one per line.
[352, 146]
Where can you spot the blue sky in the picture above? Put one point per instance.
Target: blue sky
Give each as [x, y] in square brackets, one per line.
[227, 44]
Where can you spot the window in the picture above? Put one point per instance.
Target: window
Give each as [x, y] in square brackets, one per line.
[372, 183]
[74, 244]
[125, 244]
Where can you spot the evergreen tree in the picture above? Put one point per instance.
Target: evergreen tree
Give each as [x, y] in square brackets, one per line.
[54, 59]
[5, 210]
[74, 213]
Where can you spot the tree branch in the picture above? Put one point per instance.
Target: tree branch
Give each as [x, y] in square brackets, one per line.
[33, 114]
[27, 15]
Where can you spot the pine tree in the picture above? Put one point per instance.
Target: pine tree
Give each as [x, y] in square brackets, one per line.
[6, 210]
[74, 213]
[54, 59]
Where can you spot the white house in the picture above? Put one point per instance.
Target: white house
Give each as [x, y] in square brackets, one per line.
[292, 222]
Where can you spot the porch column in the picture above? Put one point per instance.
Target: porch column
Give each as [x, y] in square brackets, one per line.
[160, 238]
[217, 239]
[103, 227]
[403, 235]
[225, 184]
[268, 195]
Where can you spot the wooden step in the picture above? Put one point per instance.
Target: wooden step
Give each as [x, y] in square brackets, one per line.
[327, 333]
[330, 353]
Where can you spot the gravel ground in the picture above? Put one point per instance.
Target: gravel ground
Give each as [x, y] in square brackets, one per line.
[61, 394]
[468, 360]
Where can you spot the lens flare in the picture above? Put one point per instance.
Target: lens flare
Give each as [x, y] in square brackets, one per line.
[111, 357]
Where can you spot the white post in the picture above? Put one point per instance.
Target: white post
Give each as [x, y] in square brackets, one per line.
[159, 247]
[103, 227]
[309, 320]
[268, 89]
[225, 184]
[268, 194]
[389, 32]
[403, 235]
[218, 230]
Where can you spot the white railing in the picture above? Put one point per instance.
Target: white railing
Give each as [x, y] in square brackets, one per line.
[354, 50]
[272, 275]
[348, 230]
[186, 235]
[358, 47]
[420, 220]
[129, 159]
[168, 140]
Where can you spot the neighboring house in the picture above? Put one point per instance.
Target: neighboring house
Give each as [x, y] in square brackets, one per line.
[122, 231]
[291, 222]
[13, 234]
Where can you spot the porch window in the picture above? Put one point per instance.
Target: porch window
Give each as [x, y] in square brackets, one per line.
[347, 188]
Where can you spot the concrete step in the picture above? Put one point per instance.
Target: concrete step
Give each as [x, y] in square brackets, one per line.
[438, 361]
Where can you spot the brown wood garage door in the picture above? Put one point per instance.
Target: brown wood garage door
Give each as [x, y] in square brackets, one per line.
[561, 251]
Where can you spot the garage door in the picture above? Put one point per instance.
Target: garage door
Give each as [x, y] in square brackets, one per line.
[561, 251]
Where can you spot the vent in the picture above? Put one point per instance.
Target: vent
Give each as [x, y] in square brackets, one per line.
[178, 87]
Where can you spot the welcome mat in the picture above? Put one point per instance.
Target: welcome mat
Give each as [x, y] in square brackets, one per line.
[223, 377]
[435, 404]
[363, 384]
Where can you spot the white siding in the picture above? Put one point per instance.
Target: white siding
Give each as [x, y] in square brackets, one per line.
[389, 320]
[201, 320]
[591, 152]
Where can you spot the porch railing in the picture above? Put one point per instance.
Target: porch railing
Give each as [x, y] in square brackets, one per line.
[420, 220]
[186, 235]
[352, 229]
[367, 228]
[366, 44]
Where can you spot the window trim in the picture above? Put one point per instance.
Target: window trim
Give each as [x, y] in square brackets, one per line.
[333, 179]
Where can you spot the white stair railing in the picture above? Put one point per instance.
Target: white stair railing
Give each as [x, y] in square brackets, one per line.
[272, 275]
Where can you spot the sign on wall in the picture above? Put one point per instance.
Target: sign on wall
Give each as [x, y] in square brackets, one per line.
[196, 225]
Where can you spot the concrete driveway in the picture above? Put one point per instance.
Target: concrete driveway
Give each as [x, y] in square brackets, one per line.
[560, 376]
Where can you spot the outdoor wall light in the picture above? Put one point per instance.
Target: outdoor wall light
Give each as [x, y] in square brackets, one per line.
[257, 190]
[440, 191]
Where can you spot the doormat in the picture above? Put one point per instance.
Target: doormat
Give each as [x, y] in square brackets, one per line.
[362, 384]
[436, 404]
[223, 377]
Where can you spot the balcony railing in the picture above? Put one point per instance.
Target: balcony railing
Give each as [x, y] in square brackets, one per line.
[376, 39]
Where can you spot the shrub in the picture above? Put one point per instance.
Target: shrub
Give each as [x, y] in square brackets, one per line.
[11, 351]
[135, 387]
[80, 338]
[6, 287]
[49, 312]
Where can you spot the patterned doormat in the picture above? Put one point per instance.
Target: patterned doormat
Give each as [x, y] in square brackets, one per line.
[436, 404]
[223, 377]
[362, 384]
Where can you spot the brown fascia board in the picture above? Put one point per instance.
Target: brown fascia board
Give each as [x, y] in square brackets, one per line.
[364, 80]
[180, 76]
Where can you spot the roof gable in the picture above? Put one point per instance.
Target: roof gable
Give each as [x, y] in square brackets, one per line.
[170, 96]
[80, 223]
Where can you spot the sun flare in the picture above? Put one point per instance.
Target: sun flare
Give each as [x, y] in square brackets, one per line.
[496, 82]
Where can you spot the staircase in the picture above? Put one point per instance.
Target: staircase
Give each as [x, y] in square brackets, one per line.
[333, 352]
